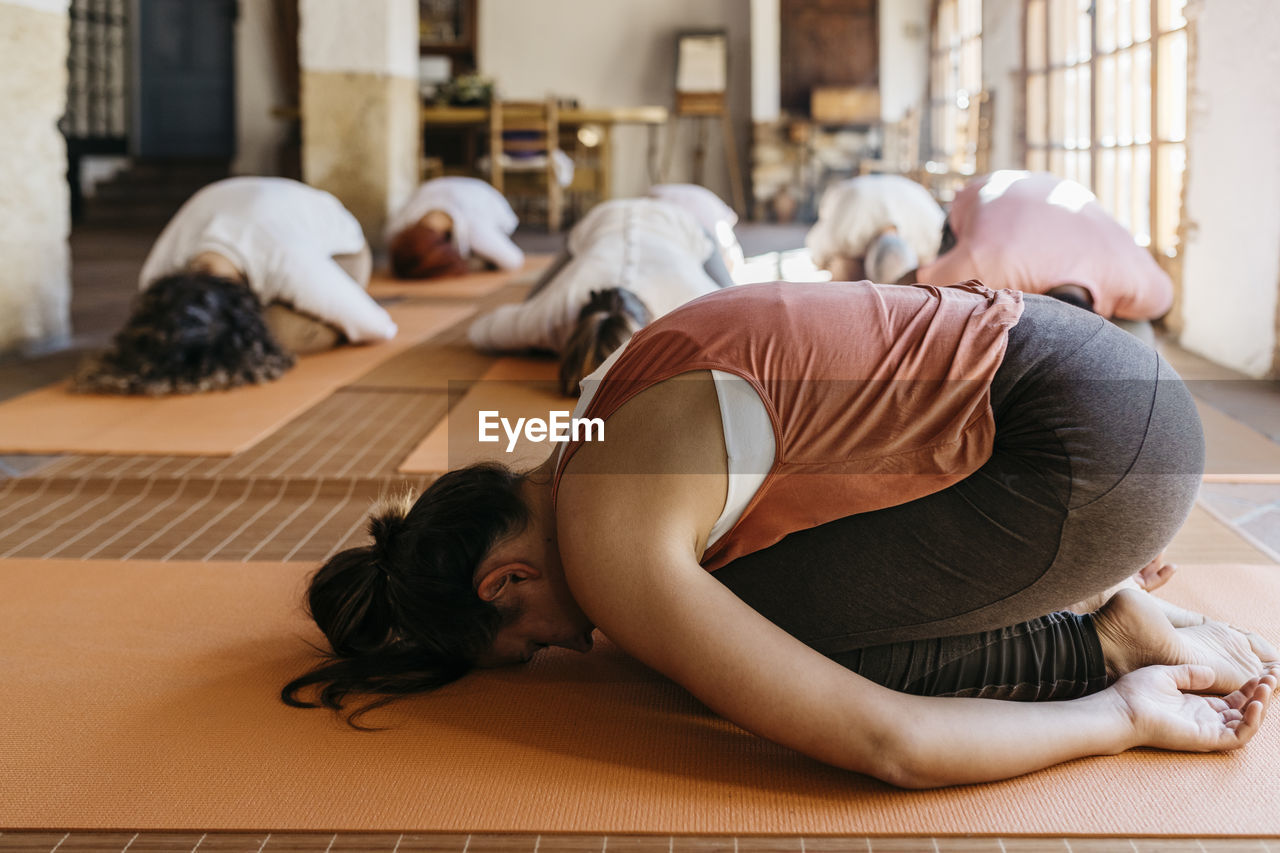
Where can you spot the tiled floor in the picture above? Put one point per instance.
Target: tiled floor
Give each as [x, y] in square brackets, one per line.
[159, 518]
[302, 493]
[1252, 508]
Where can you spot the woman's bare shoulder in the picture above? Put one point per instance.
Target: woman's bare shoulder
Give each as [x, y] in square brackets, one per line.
[660, 468]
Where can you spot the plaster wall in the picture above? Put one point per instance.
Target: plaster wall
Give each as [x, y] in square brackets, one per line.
[619, 53]
[766, 48]
[1002, 78]
[35, 289]
[364, 36]
[1231, 249]
[904, 56]
[54, 6]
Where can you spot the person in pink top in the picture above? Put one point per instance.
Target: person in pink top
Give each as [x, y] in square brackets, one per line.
[846, 517]
[1038, 233]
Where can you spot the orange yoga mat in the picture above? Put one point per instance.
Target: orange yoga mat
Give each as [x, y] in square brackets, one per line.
[142, 695]
[514, 388]
[470, 286]
[52, 420]
[431, 365]
[1236, 452]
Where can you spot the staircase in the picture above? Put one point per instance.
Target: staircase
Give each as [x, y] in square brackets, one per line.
[149, 191]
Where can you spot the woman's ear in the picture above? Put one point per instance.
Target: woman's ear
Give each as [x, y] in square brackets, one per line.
[499, 580]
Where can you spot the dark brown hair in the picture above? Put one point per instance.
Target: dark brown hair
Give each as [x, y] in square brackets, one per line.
[402, 615]
[1072, 294]
[606, 322]
[188, 332]
[422, 252]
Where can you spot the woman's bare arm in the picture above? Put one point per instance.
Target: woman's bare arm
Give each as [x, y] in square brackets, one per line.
[629, 559]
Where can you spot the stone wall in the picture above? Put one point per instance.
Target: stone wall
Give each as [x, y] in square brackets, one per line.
[360, 114]
[35, 290]
[360, 141]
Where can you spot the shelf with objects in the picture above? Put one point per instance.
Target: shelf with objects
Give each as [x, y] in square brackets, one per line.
[796, 157]
[447, 75]
[829, 111]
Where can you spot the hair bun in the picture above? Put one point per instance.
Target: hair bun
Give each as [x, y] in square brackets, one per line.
[387, 520]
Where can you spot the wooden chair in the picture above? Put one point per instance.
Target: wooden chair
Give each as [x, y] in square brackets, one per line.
[524, 138]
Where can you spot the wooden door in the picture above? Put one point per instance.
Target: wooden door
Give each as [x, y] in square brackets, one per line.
[186, 78]
[827, 43]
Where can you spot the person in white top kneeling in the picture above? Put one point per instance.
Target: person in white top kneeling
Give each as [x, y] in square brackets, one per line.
[625, 263]
[247, 274]
[877, 227]
[715, 217]
[451, 226]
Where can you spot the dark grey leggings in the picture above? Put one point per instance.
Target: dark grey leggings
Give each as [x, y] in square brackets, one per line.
[1097, 461]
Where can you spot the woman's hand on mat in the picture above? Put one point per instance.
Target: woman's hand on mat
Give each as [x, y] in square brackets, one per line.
[1165, 712]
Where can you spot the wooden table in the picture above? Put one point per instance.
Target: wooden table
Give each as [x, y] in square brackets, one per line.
[653, 117]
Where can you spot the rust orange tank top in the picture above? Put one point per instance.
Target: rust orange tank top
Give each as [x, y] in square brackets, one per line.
[878, 394]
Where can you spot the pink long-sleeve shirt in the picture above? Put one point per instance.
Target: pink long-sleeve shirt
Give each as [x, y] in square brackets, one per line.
[1032, 231]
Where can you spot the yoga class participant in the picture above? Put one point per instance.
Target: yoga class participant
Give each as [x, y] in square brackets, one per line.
[627, 262]
[451, 226]
[1038, 233]
[877, 227]
[247, 274]
[715, 217]
[847, 517]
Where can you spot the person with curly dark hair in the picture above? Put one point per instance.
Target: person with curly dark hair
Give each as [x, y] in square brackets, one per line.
[849, 518]
[247, 274]
[188, 333]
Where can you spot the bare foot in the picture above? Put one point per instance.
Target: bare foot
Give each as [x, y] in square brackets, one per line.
[1179, 617]
[1134, 633]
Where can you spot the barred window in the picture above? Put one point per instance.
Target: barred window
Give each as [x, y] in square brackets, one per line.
[955, 81]
[1107, 104]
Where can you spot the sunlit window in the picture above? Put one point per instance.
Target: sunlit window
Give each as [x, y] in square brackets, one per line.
[1107, 105]
[955, 68]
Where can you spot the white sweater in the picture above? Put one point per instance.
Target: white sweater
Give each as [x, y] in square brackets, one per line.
[650, 247]
[282, 235]
[716, 217]
[854, 211]
[482, 218]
